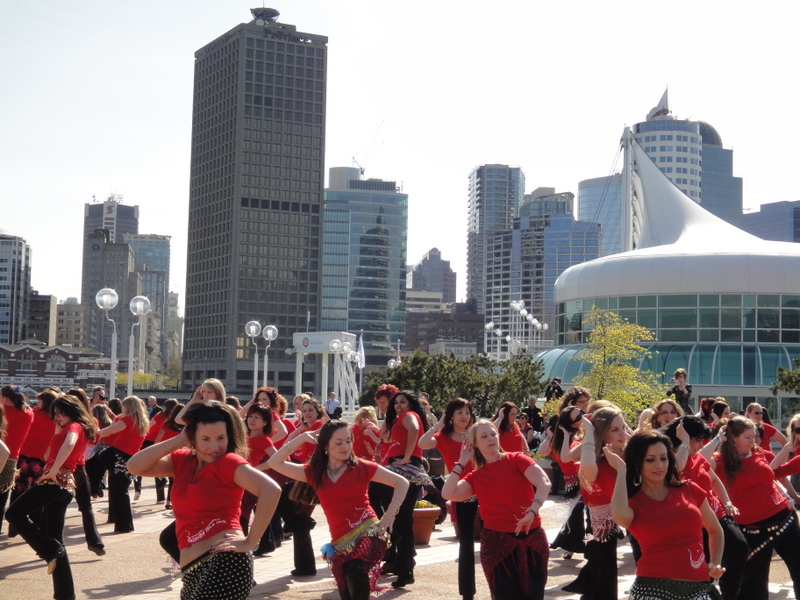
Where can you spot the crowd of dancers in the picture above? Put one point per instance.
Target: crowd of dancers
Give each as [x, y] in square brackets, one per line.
[701, 497]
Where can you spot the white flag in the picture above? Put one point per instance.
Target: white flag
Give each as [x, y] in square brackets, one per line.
[361, 360]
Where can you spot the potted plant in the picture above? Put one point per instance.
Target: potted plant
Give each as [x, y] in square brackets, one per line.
[425, 515]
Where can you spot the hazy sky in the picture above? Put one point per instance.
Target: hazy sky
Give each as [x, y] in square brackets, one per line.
[97, 96]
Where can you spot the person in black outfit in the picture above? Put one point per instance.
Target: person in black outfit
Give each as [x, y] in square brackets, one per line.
[554, 389]
[681, 390]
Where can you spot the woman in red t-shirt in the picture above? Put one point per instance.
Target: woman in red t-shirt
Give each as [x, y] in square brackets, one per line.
[340, 480]
[404, 424]
[448, 436]
[667, 517]
[258, 420]
[131, 427]
[597, 579]
[567, 436]
[365, 432]
[505, 419]
[764, 515]
[156, 424]
[169, 429]
[215, 555]
[19, 417]
[269, 396]
[514, 550]
[54, 490]
[31, 454]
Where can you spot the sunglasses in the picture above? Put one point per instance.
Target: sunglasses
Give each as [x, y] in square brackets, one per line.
[796, 430]
[757, 413]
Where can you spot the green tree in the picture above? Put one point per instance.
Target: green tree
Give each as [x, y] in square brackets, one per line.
[480, 379]
[788, 379]
[173, 374]
[140, 380]
[611, 354]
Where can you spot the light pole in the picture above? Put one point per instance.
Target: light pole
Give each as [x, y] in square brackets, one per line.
[252, 330]
[107, 300]
[498, 333]
[487, 331]
[270, 332]
[139, 306]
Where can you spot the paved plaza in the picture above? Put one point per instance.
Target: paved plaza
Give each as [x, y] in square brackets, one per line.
[135, 567]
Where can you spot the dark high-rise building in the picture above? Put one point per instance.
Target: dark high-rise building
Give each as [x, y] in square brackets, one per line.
[42, 318]
[255, 198]
[15, 288]
[432, 274]
[495, 192]
[118, 218]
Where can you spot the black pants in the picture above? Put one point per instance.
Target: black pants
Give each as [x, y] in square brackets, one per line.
[734, 559]
[46, 542]
[83, 497]
[465, 517]
[756, 572]
[403, 534]
[598, 577]
[119, 502]
[297, 519]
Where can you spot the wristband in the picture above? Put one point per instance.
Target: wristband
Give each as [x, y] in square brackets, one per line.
[686, 446]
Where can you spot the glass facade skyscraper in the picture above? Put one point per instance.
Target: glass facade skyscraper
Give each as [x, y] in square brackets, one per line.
[15, 288]
[600, 201]
[255, 198]
[495, 192]
[365, 227]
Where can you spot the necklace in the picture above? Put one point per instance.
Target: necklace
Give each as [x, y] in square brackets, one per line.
[332, 473]
[459, 437]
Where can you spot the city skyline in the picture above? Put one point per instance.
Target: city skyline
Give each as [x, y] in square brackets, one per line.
[114, 105]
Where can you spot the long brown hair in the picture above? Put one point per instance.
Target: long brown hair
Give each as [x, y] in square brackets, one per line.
[214, 411]
[72, 407]
[730, 456]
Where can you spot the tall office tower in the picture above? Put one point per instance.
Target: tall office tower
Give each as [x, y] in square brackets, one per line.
[111, 214]
[255, 198]
[691, 155]
[432, 274]
[70, 328]
[42, 317]
[365, 227]
[600, 201]
[173, 329]
[778, 221]
[524, 262]
[15, 288]
[495, 192]
[152, 254]
[107, 264]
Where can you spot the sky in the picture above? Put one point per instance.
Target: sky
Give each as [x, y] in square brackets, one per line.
[97, 99]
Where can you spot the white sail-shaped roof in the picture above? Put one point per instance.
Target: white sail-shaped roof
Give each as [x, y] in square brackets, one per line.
[682, 249]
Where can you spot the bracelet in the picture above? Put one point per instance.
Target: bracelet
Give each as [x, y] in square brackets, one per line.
[539, 500]
[686, 446]
[717, 440]
[533, 512]
[457, 473]
[458, 464]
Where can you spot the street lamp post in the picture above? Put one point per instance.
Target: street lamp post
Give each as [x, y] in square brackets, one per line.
[498, 333]
[253, 330]
[107, 300]
[270, 332]
[487, 332]
[139, 306]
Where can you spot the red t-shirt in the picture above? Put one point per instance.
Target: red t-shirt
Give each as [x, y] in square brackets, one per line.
[169, 433]
[18, 424]
[78, 450]
[769, 431]
[346, 502]
[504, 493]
[512, 440]
[400, 436]
[788, 468]
[571, 468]
[152, 432]
[360, 442]
[39, 434]
[304, 453]
[450, 450]
[290, 427]
[129, 440]
[753, 489]
[696, 471]
[258, 448]
[670, 533]
[208, 501]
[601, 489]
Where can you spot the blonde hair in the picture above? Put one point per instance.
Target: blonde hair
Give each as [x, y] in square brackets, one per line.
[478, 460]
[217, 386]
[366, 412]
[794, 440]
[134, 406]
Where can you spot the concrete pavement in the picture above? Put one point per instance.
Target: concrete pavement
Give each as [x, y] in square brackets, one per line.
[135, 567]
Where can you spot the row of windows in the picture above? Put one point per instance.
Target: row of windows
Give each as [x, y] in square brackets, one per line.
[684, 300]
[285, 47]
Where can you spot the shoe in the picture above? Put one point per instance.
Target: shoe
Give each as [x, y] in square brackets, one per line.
[402, 581]
[567, 555]
[168, 506]
[387, 569]
[136, 496]
[265, 549]
[99, 550]
[299, 573]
